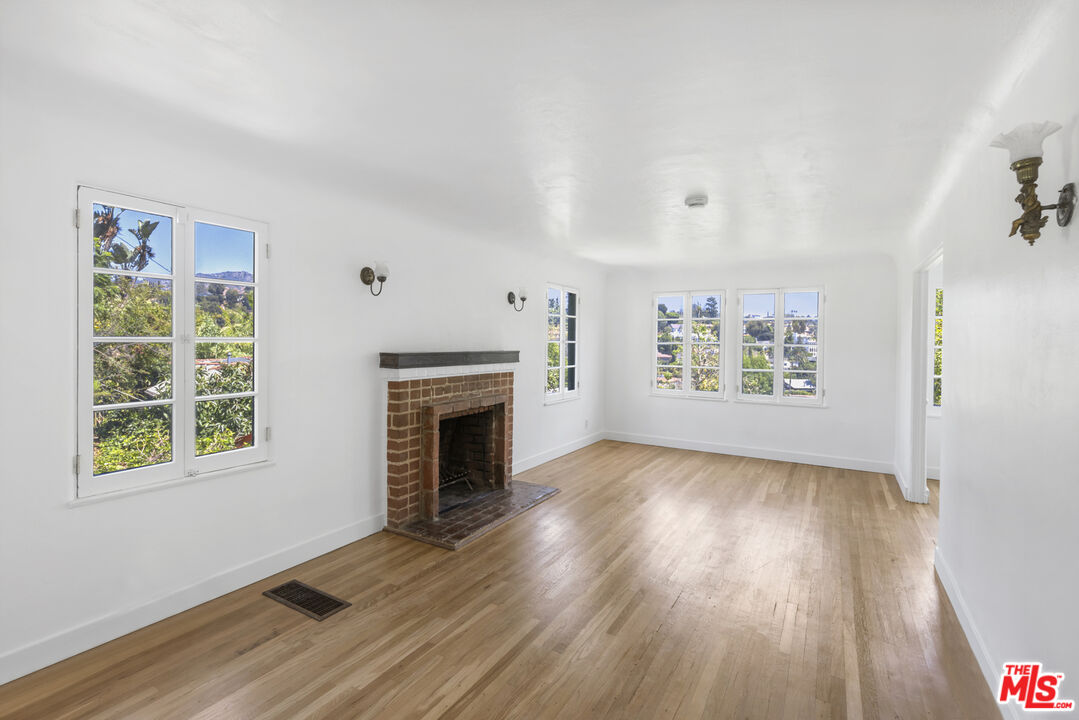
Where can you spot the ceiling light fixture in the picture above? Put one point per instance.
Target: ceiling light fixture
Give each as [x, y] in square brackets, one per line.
[1024, 145]
[696, 200]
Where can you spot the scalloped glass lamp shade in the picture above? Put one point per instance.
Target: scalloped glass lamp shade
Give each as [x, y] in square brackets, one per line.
[1025, 141]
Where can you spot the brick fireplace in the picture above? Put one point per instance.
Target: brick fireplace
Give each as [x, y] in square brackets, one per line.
[447, 438]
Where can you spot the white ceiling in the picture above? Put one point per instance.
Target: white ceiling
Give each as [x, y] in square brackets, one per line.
[814, 127]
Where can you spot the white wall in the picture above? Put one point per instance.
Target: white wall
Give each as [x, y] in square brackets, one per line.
[1008, 533]
[93, 572]
[854, 430]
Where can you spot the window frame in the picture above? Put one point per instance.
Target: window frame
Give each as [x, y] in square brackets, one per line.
[184, 463]
[777, 397]
[562, 395]
[687, 346]
[932, 409]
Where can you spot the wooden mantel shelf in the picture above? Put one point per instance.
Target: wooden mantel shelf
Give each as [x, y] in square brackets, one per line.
[403, 361]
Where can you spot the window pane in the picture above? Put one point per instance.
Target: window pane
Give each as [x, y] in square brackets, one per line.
[668, 354]
[758, 357]
[936, 392]
[571, 303]
[940, 302]
[704, 379]
[670, 307]
[224, 310]
[799, 384]
[222, 425]
[571, 353]
[706, 306]
[800, 332]
[223, 368]
[132, 307]
[938, 362]
[552, 380]
[800, 357]
[125, 439]
[669, 378]
[800, 304]
[704, 355]
[759, 331]
[571, 378]
[571, 328]
[938, 332]
[554, 325]
[759, 305]
[554, 304]
[554, 358]
[757, 383]
[132, 240]
[132, 372]
[669, 331]
[706, 331]
[224, 253]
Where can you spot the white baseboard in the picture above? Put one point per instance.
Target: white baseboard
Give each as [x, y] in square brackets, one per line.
[43, 653]
[932, 473]
[548, 455]
[753, 452]
[990, 669]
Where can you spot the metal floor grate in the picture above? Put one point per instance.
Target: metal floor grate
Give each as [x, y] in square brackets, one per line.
[311, 602]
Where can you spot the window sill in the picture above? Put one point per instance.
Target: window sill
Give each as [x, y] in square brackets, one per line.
[933, 411]
[560, 400]
[815, 404]
[211, 475]
[688, 396]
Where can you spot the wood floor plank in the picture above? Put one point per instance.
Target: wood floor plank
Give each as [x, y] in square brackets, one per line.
[659, 583]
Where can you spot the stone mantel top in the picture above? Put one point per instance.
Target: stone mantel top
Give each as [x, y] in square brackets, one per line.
[413, 366]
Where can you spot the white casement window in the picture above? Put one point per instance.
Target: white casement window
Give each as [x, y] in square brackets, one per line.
[937, 348]
[688, 350]
[784, 367]
[563, 379]
[172, 354]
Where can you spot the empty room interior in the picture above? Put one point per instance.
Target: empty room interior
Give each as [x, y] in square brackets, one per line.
[539, 359]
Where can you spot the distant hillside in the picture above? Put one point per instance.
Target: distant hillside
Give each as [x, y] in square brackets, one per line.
[241, 275]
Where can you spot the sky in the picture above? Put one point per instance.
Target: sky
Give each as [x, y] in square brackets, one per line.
[217, 249]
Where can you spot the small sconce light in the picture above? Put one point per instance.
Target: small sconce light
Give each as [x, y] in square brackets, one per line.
[512, 298]
[1024, 144]
[380, 273]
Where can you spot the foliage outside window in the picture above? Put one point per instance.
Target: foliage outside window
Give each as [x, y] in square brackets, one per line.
[938, 346]
[688, 350]
[168, 380]
[786, 369]
[563, 381]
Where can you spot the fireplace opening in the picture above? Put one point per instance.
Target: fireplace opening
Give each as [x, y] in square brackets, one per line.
[465, 459]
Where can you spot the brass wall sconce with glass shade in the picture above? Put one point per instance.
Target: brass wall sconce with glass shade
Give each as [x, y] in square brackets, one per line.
[368, 276]
[514, 295]
[1024, 145]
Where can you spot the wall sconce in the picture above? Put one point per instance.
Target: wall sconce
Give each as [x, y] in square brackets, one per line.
[513, 296]
[1024, 144]
[380, 273]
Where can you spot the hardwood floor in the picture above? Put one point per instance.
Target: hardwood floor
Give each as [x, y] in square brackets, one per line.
[659, 583]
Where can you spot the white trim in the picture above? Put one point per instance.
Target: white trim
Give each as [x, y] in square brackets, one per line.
[182, 341]
[686, 392]
[846, 463]
[72, 641]
[396, 374]
[520, 466]
[779, 314]
[562, 395]
[932, 472]
[989, 667]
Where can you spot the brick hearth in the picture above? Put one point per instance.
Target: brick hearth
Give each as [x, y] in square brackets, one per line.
[414, 410]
